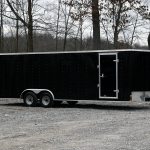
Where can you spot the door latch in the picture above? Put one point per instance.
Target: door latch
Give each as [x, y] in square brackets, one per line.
[116, 60]
[102, 75]
[116, 91]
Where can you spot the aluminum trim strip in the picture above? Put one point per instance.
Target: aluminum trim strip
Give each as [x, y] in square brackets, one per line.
[116, 76]
[36, 91]
[65, 52]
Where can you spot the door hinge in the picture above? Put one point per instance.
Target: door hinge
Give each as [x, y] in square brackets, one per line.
[116, 60]
[97, 66]
[98, 85]
[116, 91]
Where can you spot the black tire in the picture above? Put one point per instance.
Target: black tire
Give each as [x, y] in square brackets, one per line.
[72, 103]
[57, 103]
[30, 99]
[46, 100]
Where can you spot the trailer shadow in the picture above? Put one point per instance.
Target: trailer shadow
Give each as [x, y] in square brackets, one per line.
[89, 106]
[105, 107]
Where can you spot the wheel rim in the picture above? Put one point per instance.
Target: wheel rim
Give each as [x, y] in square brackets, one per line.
[45, 100]
[29, 100]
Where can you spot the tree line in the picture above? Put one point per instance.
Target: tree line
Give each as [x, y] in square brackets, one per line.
[30, 25]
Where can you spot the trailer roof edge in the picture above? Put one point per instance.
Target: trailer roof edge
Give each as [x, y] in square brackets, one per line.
[89, 51]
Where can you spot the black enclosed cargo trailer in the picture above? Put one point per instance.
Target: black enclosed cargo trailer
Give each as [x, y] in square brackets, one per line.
[111, 75]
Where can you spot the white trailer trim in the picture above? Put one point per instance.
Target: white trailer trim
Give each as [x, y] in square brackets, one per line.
[116, 90]
[36, 91]
[90, 51]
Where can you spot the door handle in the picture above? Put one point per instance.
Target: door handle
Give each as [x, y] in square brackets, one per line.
[102, 75]
[116, 91]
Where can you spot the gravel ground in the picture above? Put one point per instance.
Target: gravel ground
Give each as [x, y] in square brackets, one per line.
[87, 126]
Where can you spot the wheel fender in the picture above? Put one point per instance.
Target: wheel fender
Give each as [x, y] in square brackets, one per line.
[36, 91]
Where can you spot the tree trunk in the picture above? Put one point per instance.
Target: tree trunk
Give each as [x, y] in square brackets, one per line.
[134, 30]
[17, 36]
[17, 29]
[59, 1]
[96, 26]
[116, 38]
[148, 41]
[1, 28]
[81, 35]
[0, 39]
[66, 27]
[30, 38]
[116, 32]
[30, 27]
[65, 40]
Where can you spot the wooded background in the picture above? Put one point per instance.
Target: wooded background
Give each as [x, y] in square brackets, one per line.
[71, 25]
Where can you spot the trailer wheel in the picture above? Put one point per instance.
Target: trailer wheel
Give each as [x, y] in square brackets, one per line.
[30, 99]
[46, 100]
[56, 103]
[72, 103]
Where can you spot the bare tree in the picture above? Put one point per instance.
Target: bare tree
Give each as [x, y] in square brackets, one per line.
[1, 26]
[118, 14]
[96, 26]
[148, 41]
[28, 24]
[67, 16]
[134, 27]
[106, 30]
[80, 13]
[57, 26]
[17, 28]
